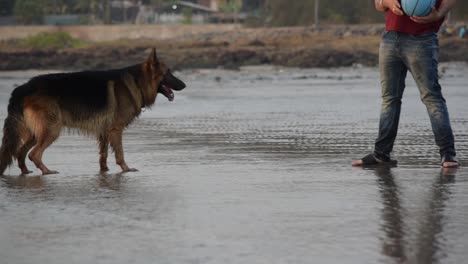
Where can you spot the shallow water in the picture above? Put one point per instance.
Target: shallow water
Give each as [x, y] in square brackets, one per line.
[248, 166]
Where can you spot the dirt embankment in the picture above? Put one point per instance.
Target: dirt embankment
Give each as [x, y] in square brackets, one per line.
[330, 46]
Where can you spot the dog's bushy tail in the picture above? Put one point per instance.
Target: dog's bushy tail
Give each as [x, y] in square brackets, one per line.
[10, 142]
[11, 136]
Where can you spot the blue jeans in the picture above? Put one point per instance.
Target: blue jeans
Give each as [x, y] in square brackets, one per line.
[398, 54]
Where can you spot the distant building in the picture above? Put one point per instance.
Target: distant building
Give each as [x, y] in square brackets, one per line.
[184, 12]
[218, 4]
[124, 11]
[246, 5]
[212, 4]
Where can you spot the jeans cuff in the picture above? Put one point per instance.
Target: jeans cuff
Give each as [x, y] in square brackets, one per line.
[381, 156]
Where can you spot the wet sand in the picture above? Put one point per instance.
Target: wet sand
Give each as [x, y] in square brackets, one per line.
[249, 166]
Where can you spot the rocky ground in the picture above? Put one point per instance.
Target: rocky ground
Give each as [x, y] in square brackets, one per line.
[329, 46]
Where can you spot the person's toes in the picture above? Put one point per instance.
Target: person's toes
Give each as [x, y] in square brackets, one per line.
[356, 163]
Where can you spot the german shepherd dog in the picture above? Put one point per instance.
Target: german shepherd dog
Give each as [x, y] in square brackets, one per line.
[97, 103]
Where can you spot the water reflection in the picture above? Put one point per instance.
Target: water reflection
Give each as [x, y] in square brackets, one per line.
[23, 182]
[428, 245]
[392, 244]
[111, 181]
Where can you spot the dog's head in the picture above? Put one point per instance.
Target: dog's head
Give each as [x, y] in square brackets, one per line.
[160, 79]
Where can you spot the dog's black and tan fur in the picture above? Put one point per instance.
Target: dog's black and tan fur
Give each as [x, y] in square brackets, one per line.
[97, 103]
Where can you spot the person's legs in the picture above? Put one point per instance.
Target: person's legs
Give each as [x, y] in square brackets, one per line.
[392, 73]
[421, 57]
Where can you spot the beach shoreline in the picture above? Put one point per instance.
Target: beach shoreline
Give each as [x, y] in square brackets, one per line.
[225, 47]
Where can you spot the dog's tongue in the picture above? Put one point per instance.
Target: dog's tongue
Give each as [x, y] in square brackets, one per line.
[167, 91]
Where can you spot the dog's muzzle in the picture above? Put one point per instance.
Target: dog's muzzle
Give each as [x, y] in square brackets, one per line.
[170, 83]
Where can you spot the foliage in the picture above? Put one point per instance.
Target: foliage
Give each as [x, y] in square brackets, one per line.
[159, 2]
[290, 13]
[231, 6]
[251, 6]
[56, 7]
[279, 12]
[188, 14]
[29, 11]
[268, 12]
[6, 7]
[54, 40]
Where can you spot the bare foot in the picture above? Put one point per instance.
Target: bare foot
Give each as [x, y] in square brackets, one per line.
[104, 169]
[450, 164]
[356, 163]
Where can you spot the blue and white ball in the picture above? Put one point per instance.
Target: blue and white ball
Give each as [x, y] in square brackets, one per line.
[417, 7]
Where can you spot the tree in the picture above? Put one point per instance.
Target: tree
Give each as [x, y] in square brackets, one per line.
[291, 13]
[58, 7]
[233, 7]
[460, 11]
[95, 9]
[29, 11]
[6, 7]
[187, 12]
[159, 3]
[251, 5]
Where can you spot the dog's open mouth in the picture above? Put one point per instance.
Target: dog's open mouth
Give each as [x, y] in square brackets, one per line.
[167, 91]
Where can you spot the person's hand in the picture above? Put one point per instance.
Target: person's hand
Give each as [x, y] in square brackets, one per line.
[394, 6]
[432, 17]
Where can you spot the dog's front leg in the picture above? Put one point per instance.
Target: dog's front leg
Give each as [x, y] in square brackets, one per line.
[103, 151]
[115, 139]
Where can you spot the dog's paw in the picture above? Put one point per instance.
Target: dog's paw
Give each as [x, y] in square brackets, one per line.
[130, 170]
[25, 172]
[47, 172]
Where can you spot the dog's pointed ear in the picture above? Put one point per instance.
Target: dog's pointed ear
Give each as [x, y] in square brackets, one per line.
[153, 58]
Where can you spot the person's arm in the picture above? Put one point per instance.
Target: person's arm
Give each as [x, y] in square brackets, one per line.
[384, 5]
[436, 15]
[445, 7]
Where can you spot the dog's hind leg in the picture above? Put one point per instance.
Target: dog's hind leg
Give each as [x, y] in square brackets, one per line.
[23, 151]
[115, 138]
[103, 151]
[43, 119]
[44, 139]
